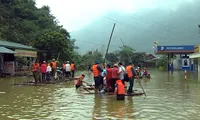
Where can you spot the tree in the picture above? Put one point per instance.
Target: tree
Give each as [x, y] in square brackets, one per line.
[53, 43]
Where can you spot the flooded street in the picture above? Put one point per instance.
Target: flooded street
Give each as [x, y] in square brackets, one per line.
[169, 97]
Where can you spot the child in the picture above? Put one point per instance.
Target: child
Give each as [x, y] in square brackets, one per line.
[79, 81]
[119, 90]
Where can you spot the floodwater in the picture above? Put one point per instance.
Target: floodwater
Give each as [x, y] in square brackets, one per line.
[169, 97]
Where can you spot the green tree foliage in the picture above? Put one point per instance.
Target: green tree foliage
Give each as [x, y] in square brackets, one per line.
[22, 22]
[162, 61]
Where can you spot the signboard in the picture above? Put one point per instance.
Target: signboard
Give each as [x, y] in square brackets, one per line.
[25, 53]
[9, 68]
[185, 63]
[175, 49]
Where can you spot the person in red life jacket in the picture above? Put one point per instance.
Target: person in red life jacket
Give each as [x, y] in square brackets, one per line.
[79, 81]
[43, 69]
[108, 78]
[96, 69]
[73, 69]
[119, 90]
[115, 76]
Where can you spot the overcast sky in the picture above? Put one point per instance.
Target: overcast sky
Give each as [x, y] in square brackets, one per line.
[76, 14]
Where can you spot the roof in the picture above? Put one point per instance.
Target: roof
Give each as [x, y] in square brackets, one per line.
[8, 44]
[194, 55]
[5, 50]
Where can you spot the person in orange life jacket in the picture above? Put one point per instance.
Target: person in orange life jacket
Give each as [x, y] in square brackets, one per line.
[119, 90]
[80, 81]
[53, 66]
[36, 71]
[43, 69]
[96, 69]
[131, 75]
[64, 69]
[73, 69]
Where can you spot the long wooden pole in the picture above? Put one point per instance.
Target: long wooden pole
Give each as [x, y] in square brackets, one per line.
[109, 43]
[138, 78]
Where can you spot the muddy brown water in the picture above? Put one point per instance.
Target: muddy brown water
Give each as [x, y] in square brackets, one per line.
[169, 97]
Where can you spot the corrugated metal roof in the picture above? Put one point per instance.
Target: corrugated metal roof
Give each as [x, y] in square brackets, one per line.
[15, 45]
[5, 50]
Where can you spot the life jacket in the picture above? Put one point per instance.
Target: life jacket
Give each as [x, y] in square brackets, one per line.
[64, 66]
[129, 71]
[43, 68]
[54, 65]
[120, 88]
[95, 71]
[35, 67]
[72, 67]
[79, 80]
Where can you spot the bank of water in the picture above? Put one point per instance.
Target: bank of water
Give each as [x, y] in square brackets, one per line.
[169, 97]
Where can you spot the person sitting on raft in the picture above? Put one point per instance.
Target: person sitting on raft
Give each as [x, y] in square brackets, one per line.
[119, 90]
[145, 73]
[79, 81]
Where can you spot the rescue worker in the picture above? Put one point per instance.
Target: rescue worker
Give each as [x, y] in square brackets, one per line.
[53, 66]
[64, 69]
[80, 81]
[72, 69]
[43, 69]
[96, 70]
[131, 75]
[119, 90]
[36, 71]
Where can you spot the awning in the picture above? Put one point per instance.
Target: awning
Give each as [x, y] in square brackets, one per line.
[194, 55]
[5, 50]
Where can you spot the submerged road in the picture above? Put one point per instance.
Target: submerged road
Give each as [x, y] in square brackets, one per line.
[169, 97]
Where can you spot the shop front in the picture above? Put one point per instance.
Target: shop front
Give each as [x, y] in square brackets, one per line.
[15, 58]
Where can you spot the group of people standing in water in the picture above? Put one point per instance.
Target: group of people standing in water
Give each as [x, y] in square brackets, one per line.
[44, 72]
[114, 78]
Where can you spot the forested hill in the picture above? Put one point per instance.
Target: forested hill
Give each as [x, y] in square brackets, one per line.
[22, 22]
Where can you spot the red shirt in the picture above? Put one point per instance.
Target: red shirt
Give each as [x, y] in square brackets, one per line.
[43, 68]
[115, 72]
[108, 73]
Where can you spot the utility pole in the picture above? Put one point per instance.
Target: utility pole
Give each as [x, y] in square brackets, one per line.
[109, 43]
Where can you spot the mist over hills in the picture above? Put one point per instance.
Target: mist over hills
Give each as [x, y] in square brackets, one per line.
[178, 26]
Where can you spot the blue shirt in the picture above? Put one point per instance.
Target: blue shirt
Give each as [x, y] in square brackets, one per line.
[104, 72]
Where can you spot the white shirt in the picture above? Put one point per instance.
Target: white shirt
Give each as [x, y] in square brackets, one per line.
[121, 72]
[48, 69]
[68, 67]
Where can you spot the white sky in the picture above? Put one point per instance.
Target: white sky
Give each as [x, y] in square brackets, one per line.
[76, 14]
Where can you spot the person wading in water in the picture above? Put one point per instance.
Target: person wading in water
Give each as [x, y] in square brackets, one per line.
[131, 75]
[96, 69]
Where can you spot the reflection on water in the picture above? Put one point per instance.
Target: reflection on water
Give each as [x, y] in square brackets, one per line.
[169, 97]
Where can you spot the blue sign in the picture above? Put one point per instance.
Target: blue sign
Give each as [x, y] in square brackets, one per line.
[176, 48]
[185, 63]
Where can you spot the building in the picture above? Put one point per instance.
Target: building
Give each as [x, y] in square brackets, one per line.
[16, 58]
[150, 60]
